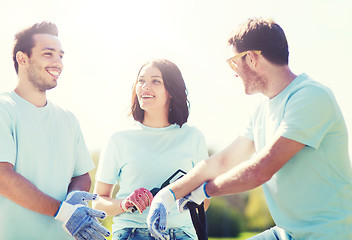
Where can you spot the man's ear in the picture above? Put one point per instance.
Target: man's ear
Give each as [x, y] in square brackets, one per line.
[253, 59]
[21, 58]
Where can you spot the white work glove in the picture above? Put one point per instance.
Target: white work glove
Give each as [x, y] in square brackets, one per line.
[158, 212]
[80, 197]
[80, 221]
[198, 195]
[139, 199]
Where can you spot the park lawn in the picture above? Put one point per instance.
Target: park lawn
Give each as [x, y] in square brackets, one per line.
[242, 236]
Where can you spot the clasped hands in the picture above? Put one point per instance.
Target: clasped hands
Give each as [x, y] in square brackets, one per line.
[79, 220]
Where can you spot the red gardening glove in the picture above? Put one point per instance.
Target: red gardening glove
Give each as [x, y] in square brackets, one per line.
[139, 199]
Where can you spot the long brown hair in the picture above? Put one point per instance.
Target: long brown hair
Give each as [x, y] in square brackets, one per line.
[174, 84]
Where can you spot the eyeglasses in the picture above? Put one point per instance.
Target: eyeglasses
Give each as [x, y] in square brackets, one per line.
[231, 62]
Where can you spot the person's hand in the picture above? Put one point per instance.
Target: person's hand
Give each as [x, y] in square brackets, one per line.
[140, 199]
[198, 195]
[159, 210]
[80, 197]
[80, 222]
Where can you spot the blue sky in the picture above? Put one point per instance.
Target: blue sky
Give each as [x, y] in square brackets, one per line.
[105, 43]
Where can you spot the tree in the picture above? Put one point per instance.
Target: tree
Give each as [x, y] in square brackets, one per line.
[256, 212]
[222, 219]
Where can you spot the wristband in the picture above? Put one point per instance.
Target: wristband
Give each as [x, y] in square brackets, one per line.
[58, 210]
[173, 194]
[205, 192]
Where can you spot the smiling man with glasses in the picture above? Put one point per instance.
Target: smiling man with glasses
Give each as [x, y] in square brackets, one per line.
[295, 146]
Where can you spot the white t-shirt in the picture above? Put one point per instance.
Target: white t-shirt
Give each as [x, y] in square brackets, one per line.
[311, 195]
[146, 157]
[46, 146]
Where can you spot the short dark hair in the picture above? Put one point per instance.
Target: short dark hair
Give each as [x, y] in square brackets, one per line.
[261, 34]
[24, 41]
[174, 84]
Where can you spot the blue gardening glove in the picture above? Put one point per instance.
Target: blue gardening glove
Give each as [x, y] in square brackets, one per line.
[198, 195]
[80, 221]
[80, 197]
[158, 212]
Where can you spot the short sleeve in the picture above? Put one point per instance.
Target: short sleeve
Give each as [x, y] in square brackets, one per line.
[108, 163]
[309, 114]
[247, 131]
[202, 148]
[7, 136]
[83, 160]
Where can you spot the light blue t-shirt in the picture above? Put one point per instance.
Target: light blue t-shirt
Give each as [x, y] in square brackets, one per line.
[311, 196]
[46, 146]
[146, 157]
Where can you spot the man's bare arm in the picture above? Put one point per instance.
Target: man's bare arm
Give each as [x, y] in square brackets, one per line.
[240, 150]
[21, 191]
[81, 183]
[255, 172]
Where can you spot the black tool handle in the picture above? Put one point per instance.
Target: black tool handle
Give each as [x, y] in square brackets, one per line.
[198, 219]
[175, 176]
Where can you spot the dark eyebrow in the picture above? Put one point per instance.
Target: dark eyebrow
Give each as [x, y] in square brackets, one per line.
[53, 49]
[151, 76]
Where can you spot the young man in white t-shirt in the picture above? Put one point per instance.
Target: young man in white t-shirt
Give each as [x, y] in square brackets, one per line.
[295, 145]
[44, 162]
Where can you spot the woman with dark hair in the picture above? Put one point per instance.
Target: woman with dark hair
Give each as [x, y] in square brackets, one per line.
[176, 88]
[142, 158]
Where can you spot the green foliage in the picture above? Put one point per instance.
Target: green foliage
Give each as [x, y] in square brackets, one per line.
[256, 212]
[95, 157]
[222, 220]
[107, 222]
[242, 236]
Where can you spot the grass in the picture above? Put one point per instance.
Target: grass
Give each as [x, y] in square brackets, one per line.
[242, 236]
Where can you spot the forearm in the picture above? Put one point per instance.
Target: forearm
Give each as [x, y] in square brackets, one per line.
[106, 202]
[204, 171]
[110, 206]
[244, 177]
[256, 171]
[81, 183]
[21, 191]
[240, 150]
